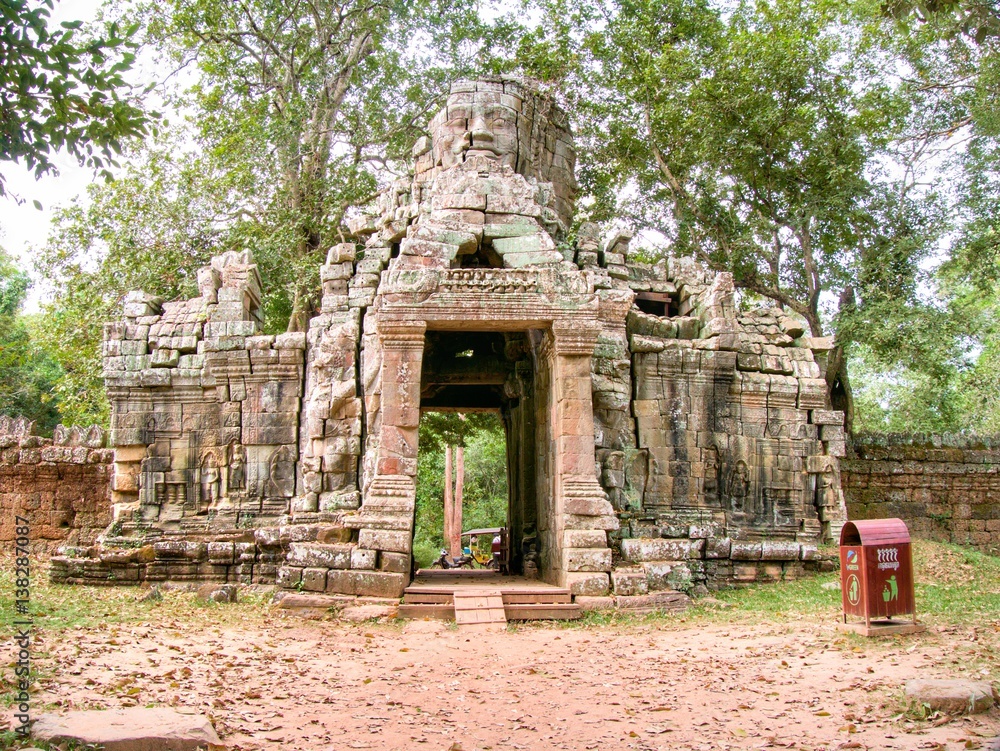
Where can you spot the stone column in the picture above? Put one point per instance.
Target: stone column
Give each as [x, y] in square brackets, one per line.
[385, 519]
[581, 505]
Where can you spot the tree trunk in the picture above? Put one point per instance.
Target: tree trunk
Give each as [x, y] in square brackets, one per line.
[837, 380]
[299, 319]
[456, 525]
[449, 512]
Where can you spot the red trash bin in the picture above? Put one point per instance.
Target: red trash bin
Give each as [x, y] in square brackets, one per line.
[876, 570]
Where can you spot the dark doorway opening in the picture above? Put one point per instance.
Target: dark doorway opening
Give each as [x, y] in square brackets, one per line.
[477, 389]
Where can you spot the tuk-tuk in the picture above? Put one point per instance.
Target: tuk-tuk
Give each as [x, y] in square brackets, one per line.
[489, 547]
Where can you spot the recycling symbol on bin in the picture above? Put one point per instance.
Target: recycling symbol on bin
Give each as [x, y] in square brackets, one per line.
[853, 589]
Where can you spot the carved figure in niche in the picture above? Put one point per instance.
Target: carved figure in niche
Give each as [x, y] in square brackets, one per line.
[781, 507]
[738, 486]
[281, 474]
[711, 474]
[210, 480]
[826, 491]
[237, 466]
[529, 552]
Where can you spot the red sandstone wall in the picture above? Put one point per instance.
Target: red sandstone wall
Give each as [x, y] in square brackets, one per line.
[63, 490]
[945, 488]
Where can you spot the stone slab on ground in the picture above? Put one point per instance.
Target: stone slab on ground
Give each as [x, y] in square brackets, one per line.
[953, 696]
[132, 729]
[361, 613]
[657, 601]
[309, 601]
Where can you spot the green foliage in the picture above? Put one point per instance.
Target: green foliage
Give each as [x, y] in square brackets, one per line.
[750, 139]
[26, 372]
[485, 492]
[61, 91]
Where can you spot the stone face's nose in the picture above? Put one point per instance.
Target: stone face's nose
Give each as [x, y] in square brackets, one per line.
[480, 136]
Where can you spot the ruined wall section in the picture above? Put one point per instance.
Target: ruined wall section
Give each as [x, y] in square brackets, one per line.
[331, 431]
[60, 484]
[204, 409]
[734, 473]
[945, 488]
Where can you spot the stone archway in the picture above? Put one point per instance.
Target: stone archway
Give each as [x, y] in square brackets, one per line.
[573, 513]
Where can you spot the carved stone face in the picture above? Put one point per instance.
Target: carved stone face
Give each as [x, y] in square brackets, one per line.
[513, 124]
[477, 124]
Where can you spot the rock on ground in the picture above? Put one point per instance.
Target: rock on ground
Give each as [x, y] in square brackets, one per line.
[133, 729]
[952, 696]
[367, 612]
[217, 592]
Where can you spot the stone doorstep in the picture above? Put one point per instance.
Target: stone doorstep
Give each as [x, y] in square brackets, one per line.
[132, 729]
[292, 600]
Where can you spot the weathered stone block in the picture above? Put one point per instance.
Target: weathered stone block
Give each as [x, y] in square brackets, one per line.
[288, 577]
[644, 549]
[366, 583]
[954, 696]
[314, 579]
[220, 552]
[318, 555]
[590, 585]
[629, 582]
[780, 550]
[587, 559]
[745, 551]
[363, 559]
[395, 562]
[589, 538]
[383, 539]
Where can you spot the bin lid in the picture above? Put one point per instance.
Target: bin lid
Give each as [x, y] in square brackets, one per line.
[875, 532]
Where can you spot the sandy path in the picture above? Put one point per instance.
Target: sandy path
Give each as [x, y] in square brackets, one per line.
[291, 684]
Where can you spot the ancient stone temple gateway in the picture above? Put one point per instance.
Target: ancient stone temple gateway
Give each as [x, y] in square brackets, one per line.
[656, 437]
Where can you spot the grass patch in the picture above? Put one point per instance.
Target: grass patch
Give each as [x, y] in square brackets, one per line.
[59, 607]
[955, 586]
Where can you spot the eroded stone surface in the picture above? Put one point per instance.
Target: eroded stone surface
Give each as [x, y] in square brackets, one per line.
[133, 729]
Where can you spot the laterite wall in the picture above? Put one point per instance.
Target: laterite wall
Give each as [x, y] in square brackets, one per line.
[61, 484]
[944, 487]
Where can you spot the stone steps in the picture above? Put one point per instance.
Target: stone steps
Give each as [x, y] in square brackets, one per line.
[520, 603]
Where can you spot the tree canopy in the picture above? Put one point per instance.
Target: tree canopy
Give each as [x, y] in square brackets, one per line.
[294, 112]
[781, 141]
[26, 372]
[61, 90]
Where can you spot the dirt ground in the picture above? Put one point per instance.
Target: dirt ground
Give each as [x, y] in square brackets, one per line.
[284, 683]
